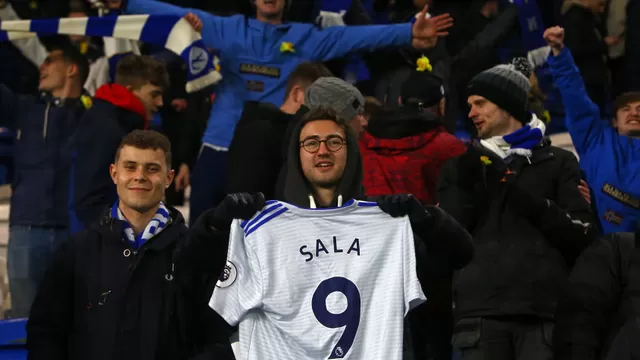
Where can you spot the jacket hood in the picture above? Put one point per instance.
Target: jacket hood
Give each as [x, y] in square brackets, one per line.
[296, 188]
[121, 97]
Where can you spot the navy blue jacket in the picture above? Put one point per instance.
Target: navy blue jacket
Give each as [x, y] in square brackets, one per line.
[44, 127]
[115, 113]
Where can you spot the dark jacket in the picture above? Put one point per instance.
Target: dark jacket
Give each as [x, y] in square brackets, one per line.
[403, 151]
[255, 153]
[115, 113]
[99, 300]
[519, 262]
[583, 36]
[44, 127]
[598, 308]
[632, 46]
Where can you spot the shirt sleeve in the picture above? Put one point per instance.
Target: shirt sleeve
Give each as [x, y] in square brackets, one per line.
[413, 295]
[239, 288]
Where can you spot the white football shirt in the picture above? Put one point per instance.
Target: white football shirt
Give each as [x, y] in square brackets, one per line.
[319, 283]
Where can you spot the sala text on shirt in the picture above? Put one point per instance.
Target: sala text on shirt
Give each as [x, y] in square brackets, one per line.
[320, 247]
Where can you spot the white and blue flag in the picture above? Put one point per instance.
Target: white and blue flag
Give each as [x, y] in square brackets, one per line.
[172, 32]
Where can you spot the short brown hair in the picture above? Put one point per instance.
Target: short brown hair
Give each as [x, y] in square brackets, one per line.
[305, 74]
[324, 113]
[146, 139]
[625, 99]
[139, 70]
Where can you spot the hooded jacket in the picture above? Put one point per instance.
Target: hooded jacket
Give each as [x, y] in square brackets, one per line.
[115, 113]
[296, 187]
[403, 151]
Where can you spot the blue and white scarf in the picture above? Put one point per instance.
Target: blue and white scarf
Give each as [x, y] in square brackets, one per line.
[172, 32]
[155, 226]
[519, 142]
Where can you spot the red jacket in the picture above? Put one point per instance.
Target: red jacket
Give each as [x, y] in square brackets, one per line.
[409, 164]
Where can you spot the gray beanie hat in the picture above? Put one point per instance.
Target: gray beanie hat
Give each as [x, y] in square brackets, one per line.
[337, 94]
[506, 86]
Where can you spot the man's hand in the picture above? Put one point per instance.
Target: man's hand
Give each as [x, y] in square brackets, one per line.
[183, 178]
[554, 36]
[194, 21]
[611, 40]
[584, 191]
[179, 105]
[425, 31]
[406, 204]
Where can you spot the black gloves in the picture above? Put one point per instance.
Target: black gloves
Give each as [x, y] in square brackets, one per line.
[235, 206]
[401, 205]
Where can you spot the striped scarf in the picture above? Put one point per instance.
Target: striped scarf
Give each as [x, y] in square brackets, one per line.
[172, 32]
[519, 142]
[155, 226]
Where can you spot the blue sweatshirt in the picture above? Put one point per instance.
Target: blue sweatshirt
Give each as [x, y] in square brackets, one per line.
[611, 161]
[252, 65]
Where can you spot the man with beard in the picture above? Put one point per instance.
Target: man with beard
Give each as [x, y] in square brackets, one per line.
[609, 150]
[324, 171]
[518, 196]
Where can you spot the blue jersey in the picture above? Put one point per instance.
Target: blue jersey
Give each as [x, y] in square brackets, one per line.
[256, 58]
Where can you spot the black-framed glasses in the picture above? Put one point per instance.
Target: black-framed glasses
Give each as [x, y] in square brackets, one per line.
[333, 143]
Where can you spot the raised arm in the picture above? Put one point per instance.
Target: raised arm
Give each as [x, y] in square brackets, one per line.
[339, 41]
[583, 116]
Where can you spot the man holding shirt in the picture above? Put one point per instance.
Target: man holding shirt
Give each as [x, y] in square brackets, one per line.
[256, 57]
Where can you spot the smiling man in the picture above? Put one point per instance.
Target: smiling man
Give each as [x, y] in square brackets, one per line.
[609, 150]
[124, 288]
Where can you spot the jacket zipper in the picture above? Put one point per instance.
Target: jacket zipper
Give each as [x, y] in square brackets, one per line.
[46, 120]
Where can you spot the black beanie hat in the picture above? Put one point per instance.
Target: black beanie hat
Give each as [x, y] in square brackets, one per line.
[423, 87]
[507, 86]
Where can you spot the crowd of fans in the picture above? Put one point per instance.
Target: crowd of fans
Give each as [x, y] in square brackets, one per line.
[524, 251]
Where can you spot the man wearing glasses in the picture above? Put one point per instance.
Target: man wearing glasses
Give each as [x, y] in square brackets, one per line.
[325, 170]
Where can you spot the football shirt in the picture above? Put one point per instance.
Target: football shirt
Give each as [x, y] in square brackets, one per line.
[330, 283]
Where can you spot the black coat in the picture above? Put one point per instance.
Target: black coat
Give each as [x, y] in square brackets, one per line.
[519, 263]
[584, 37]
[101, 301]
[600, 300]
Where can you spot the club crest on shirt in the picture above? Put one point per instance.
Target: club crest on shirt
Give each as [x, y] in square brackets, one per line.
[198, 59]
[228, 276]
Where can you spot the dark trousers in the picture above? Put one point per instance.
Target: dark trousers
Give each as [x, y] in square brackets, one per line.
[208, 182]
[492, 339]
